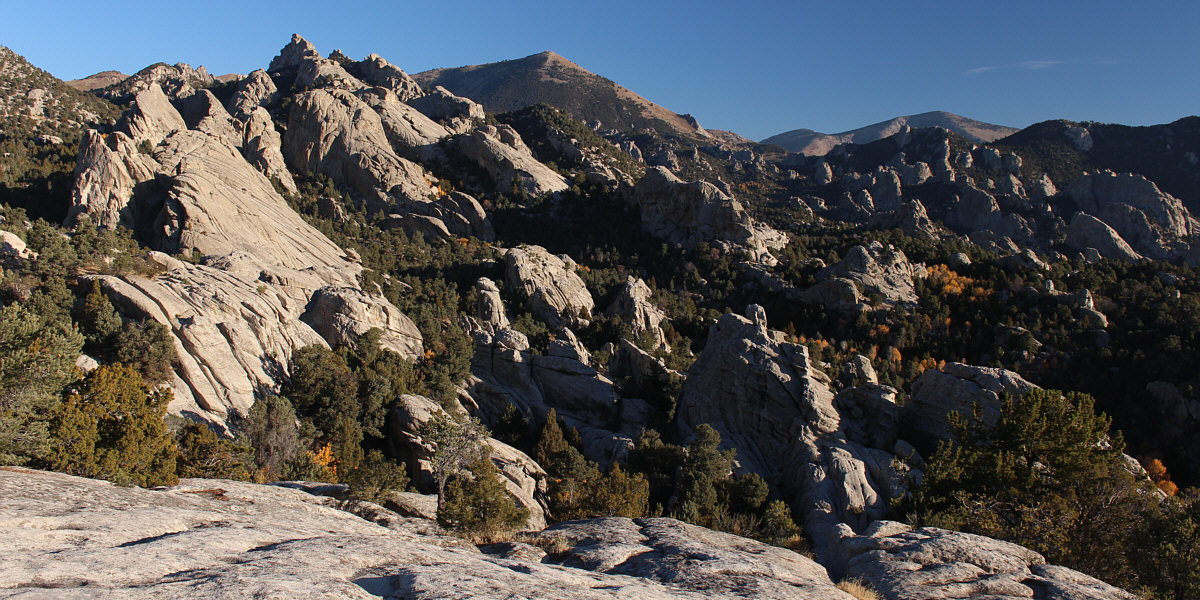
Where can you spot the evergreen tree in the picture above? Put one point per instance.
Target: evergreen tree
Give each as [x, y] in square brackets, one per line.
[1047, 475]
[202, 453]
[112, 428]
[458, 442]
[37, 359]
[271, 430]
[477, 503]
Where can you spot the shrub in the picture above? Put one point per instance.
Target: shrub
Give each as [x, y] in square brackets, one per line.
[202, 453]
[477, 504]
[112, 428]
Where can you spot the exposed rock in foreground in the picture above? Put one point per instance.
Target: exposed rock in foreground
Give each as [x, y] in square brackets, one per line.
[935, 563]
[69, 537]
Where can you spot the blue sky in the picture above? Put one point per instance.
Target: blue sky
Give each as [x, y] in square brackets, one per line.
[754, 67]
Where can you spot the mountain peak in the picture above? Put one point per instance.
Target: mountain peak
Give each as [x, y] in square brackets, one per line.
[549, 78]
[815, 143]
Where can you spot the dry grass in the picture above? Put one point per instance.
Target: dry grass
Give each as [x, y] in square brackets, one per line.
[553, 545]
[858, 589]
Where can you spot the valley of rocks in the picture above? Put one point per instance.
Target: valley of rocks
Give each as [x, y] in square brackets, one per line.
[834, 308]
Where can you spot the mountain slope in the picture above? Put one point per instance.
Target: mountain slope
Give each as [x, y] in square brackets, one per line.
[41, 120]
[548, 78]
[1168, 154]
[97, 81]
[815, 143]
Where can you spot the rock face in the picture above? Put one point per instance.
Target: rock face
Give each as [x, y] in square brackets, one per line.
[342, 314]
[1086, 231]
[957, 387]
[108, 169]
[293, 54]
[693, 213]
[508, 161]
[409, 131]
[261, 147]
[903, 564]
[1152, 222]
[222, 539]
[634, 307]
[553, 292]
[504, 372]
[769, 402]
[333, 132]
[255, 90]
[457, 114]
[489, 306]
[880, 269]
[203, 112]
[523, 478]
[454, 215]
[719, 565]
[151, 118]
[233, 335]
[376, 71]
[217, 204]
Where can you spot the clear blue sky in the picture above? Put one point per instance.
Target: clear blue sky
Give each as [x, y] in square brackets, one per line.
[754, 67]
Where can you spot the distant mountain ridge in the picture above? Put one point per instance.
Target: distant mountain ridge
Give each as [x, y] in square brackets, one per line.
[548, 78]
[815, 143]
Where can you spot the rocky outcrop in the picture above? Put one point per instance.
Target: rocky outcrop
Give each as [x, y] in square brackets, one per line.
[884, 270]
[718, 565]
[293, 54]
[634, 307]
[151, 118]
[334, 133]
[904, 564]
[343, 314]
[1086, 231]
[234, 335]
[410, 132]
[457, 114]
[976, 210]
[698, 212]
[12, 246]
[911, 218]
[552, 290]
[255, 90]
[771, 403]
[203, 112]
[837, 293]
[376, 71]
[454, 215]
[176, 80]
[326, 74]
[957, 388]
[261, 147]
[523, 477]
[107, 171]
[504, 372]
[508, 161]
[217, 204]
[489, 307]
[1152, 222]
[222, 539]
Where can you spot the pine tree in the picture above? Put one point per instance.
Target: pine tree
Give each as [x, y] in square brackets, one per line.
[271, 430]
[37, 359]
[202, 453]
[477, 502]
[112, 428]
